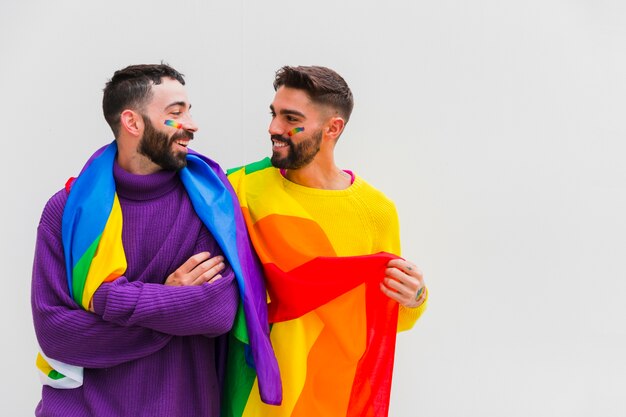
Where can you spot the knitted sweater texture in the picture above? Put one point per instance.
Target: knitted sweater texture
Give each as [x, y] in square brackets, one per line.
[148, 349]
[359, 220]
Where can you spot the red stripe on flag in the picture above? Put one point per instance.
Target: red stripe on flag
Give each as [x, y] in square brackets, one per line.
[318, 281]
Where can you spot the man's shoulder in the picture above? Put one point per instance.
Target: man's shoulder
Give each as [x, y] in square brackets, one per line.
[251, 168]
[371, 191]
[52, 213]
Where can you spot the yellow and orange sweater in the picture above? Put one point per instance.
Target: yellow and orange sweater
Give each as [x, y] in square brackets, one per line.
[324, 254]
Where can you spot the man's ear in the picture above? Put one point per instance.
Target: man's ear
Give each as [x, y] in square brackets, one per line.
[334, 127]
[132, 122]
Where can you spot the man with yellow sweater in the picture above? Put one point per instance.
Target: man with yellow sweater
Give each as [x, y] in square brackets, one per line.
[329, 245]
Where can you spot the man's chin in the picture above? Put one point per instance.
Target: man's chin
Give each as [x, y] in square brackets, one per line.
[181, 159]
[174, 164]
[278, 162]
[181, 165]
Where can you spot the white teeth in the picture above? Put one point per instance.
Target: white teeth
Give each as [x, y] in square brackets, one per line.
[279, 144]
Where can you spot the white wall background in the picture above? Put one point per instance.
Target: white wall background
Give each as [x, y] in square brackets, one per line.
[497, 127]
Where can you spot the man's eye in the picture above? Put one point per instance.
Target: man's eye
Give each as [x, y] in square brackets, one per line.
[177, 113]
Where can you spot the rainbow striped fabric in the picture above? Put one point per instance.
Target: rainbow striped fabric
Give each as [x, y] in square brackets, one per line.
[332, 364]
[92, 230]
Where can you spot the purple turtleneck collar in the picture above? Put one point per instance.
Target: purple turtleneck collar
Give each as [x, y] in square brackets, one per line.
[143, 187]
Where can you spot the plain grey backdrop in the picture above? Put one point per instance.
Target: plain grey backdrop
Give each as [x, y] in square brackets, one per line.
[496, 126]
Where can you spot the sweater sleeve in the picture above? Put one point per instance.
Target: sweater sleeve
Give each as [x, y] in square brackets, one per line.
[408, 316]
[388, 239]
[66, 332]
[207, 309]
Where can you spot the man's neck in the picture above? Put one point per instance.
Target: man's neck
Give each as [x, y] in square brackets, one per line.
[132, 161]
[320, 177]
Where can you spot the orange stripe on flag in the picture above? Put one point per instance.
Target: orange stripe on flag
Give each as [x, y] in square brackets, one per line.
[284, 253]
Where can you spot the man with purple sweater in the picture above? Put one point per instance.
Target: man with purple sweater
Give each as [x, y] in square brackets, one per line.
[130, 320]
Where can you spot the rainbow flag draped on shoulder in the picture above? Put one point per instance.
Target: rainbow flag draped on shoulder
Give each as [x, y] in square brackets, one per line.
[333, 330]
[94, 254]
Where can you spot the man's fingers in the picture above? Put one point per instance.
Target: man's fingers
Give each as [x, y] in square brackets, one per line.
[390, 293]
[395, 285]
[208, 270]
[197, 270]
[215, 278]
[191, 263]
[182, 276]
[404, 282]
[402, 278]
[407, 267]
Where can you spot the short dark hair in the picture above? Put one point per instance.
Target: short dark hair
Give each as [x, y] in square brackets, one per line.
[323, 85]
[131, 87]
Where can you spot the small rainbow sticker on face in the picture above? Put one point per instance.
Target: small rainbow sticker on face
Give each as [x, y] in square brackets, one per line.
[174, 124]
[295, 130]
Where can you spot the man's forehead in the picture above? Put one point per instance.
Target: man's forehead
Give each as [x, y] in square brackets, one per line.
[168, 84]
[291, 98]
[169, 92]
[289, 93]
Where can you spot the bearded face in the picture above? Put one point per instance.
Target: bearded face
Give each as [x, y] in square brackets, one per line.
[161, 148]
[298, 154]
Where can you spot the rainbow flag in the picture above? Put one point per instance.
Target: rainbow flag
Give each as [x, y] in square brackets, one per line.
[333, 330]
[91, 232]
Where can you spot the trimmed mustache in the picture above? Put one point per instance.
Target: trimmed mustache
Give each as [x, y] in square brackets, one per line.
[182, 134]
[282, 139]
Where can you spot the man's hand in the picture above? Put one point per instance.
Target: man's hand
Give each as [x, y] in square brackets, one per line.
[404, 283]
[197, 270]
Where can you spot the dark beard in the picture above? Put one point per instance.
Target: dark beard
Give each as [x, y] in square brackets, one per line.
[300, 154]
[158, 147]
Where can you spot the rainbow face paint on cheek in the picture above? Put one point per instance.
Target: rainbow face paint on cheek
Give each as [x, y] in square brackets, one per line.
[295, 130]
[174, 124]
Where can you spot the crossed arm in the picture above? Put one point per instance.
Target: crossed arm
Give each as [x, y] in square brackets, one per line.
[130, 320]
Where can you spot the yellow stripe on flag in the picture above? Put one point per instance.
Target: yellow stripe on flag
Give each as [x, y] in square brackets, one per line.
[109, 261]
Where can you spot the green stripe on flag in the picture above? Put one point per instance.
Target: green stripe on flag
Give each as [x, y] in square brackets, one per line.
[79, 274]
[239, 380]
[56, 375]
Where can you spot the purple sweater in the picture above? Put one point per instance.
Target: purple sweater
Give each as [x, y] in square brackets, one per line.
[149, 350]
